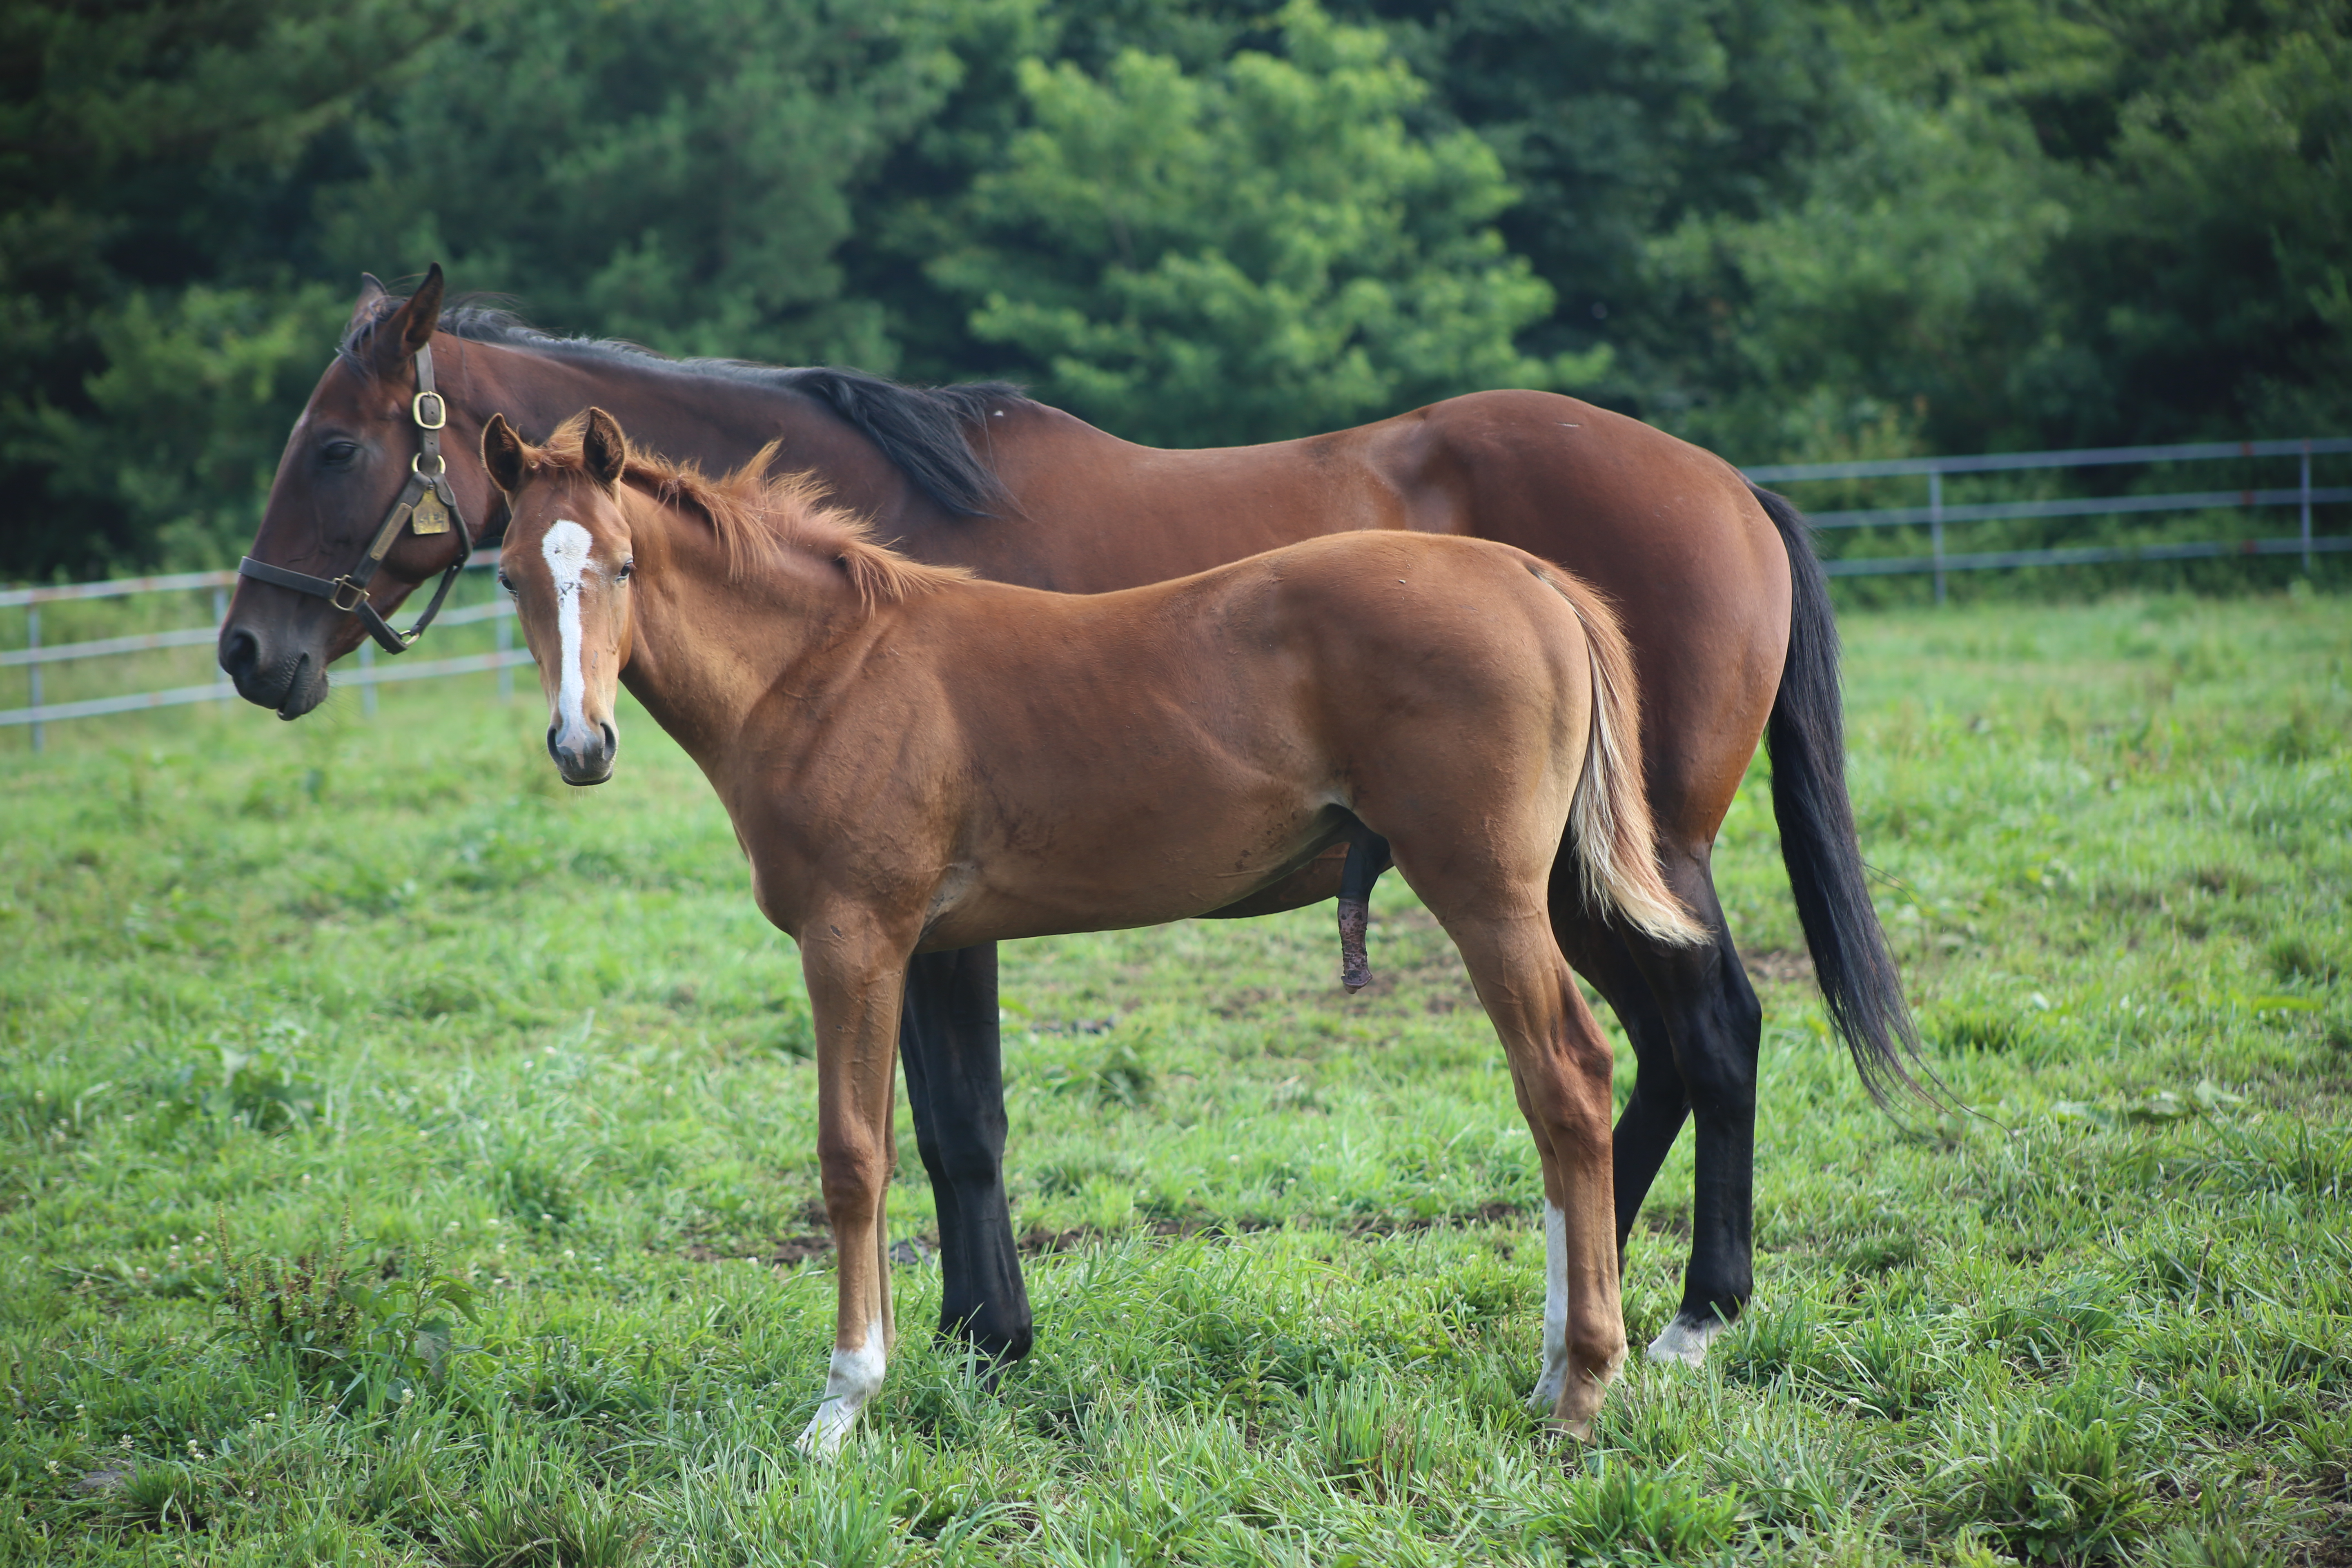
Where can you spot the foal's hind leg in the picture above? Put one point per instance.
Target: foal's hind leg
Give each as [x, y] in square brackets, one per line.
[1559, 1070]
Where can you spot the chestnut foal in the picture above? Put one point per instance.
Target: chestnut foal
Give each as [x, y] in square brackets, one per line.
[915, 759]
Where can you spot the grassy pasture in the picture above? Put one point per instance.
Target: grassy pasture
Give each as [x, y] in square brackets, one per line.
[539, 1049]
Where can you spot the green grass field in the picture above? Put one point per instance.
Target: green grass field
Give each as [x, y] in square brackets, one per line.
[541, 1054]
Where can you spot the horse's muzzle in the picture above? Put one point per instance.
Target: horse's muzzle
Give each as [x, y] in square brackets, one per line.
[293, 682]
[581, 757]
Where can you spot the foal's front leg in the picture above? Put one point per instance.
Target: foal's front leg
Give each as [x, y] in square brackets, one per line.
[855, 972]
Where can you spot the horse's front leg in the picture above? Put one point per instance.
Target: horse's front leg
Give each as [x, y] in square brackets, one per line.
[856, 967]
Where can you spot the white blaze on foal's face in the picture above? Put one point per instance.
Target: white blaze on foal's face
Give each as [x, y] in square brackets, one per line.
[579, 633]
[568, 548]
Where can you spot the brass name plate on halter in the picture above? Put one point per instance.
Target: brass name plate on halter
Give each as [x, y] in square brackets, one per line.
[428, 515]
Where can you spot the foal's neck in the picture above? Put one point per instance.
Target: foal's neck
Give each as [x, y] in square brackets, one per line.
[710, 642]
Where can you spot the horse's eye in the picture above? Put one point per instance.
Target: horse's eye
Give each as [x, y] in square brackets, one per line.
[628, 570]
[504, 581]
[339, 454]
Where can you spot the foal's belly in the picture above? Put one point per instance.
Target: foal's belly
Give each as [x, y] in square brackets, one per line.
[1144, 878]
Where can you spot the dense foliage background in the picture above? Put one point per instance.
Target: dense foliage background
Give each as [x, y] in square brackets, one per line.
[1786, 228]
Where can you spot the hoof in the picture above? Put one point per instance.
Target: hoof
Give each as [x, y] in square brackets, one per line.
[1685, 1341]
[827, 1430]
[1580, 1430]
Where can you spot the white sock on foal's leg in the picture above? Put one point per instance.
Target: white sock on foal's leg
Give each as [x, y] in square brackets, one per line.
[855, 1376]
[1546, 1397]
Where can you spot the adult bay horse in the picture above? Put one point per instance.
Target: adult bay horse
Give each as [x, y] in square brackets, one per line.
[1715, 584]
[916, 759]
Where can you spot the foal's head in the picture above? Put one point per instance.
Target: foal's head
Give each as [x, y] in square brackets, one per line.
[572, 546]
[567, 559]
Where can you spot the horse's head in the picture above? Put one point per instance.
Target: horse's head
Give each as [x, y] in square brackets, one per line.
[567, 559]
[345, 468]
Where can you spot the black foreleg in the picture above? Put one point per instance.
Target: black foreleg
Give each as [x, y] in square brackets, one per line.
[955, 1085]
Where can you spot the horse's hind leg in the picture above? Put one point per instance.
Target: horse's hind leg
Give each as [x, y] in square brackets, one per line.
[1561, 1072]
[1695, 1024]
[1714, 1026]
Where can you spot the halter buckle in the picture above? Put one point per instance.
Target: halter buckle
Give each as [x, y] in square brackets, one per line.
[343, 585]
[440, 411]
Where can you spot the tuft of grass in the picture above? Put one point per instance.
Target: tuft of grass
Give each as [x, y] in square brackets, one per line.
[1625, 1514]
[2047, 1485]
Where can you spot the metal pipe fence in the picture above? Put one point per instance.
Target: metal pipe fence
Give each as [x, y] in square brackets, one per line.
[37, 655]
[1937, 513]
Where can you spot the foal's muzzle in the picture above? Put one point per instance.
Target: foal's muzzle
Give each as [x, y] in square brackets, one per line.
[582, 758]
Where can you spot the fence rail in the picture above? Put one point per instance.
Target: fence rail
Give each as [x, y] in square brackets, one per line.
[35, 657]
[1938, 515]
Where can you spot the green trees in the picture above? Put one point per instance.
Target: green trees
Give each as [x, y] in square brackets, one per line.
[160, 305]
[2041, 226]
[676, 175]
[1787, 228]
[1256, 250]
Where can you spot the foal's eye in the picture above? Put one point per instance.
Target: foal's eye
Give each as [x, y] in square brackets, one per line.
[628, 570]
[505, 582]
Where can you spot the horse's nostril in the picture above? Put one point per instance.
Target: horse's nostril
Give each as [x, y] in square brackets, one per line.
[612, 741]
[240, 651]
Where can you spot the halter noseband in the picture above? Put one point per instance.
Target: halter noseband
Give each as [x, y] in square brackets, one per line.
[426, 503]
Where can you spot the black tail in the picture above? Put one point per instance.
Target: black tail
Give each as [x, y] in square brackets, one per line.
[1806, 738]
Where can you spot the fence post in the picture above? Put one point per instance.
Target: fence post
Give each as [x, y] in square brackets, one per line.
[1936, 526]
[505, 642]
[220, 618]
[2306, 506]
[33, 641]
[367, 692]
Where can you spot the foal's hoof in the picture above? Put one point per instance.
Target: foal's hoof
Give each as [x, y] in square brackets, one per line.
[827, 1430]
[1685, 1341]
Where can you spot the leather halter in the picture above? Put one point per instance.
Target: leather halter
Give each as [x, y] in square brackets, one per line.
[348, 592]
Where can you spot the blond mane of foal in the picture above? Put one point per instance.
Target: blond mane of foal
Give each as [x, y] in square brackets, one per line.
[749, 512]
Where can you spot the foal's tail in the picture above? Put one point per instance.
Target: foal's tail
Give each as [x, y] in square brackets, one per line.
[1610, 831]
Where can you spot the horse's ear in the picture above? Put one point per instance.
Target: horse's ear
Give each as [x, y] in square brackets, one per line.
[604, 448]
[502, 455]
[372, 293]
[423, 312]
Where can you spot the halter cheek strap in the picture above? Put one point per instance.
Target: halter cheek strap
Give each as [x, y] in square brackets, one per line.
[425, 503]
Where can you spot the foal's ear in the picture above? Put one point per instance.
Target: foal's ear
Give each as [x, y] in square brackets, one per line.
[604, 448]
[502, 455]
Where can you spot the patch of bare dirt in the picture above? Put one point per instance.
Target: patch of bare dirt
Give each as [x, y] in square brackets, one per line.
[1038, 1241]
[1778, 966]
[789, 1251]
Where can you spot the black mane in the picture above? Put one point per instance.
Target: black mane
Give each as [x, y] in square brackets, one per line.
[922, 429]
